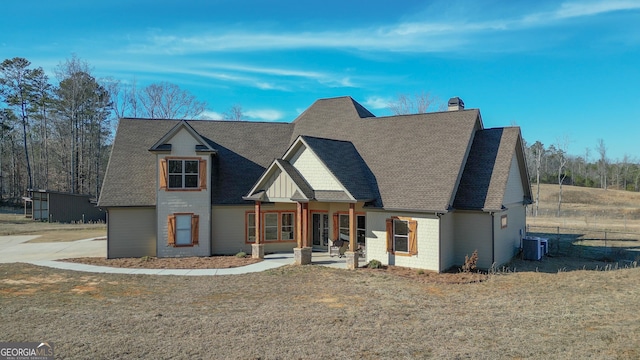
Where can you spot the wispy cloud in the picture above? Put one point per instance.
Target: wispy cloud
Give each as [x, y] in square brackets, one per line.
[377, 102]
[264, 115]
[211, 115]
[432, 35]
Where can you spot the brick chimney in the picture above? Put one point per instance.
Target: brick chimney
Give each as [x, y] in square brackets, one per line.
[455, 103]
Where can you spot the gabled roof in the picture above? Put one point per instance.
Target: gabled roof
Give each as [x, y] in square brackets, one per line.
[162, 145]
[303, 191]
[345, 163]
[486, 173]
[409, 162]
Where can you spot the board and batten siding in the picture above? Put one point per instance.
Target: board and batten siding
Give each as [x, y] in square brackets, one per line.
[428, 238]
[131, 232]
[507, 240]
[313, 170]
[279, 187]
[189, 202]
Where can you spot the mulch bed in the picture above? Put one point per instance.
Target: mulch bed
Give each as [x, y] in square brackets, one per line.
[212, 262]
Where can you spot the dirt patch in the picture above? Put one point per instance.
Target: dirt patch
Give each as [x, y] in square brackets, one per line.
[424, 276]
[212, 262]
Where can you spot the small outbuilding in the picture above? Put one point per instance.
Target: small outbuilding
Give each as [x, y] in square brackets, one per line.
[54, 206]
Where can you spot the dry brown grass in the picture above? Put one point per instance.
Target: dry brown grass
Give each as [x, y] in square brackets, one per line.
[16, 224]
[313, 312]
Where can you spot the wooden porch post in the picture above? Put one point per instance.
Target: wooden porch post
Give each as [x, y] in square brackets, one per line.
[305, 224]
[299, 224]
[352, 227]
[257, 217]
[257, 248]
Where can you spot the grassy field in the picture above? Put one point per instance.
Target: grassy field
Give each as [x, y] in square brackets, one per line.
[17, 224]
[562, 307]
[313, 312]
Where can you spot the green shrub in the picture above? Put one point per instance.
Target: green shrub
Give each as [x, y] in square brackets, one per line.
[241, 254]
[146, 258]
[374, 264]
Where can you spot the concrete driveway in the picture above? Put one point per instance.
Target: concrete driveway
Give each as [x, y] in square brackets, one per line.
[15, 249]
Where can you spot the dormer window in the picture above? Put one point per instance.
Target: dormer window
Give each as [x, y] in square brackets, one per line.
[183, 173]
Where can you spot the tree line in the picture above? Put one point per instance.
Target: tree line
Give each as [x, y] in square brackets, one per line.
[57, 135]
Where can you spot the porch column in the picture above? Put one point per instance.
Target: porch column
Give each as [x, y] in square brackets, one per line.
[305, 224]
[302, 253]
[257, 248]
[352, 256]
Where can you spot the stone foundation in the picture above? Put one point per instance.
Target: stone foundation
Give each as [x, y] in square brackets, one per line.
[257, 251]
[352, 260]
[302, 256]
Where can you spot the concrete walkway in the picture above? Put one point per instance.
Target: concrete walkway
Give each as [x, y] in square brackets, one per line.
[15, 249]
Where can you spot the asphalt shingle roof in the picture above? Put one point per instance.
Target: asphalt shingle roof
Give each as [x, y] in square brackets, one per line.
[409, 162]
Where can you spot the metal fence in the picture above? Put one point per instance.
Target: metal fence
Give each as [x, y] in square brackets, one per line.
[589, 243]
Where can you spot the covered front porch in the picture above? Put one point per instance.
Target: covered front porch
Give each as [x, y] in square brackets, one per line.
[324, 232]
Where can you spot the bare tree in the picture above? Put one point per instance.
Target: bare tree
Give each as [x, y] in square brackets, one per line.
[538, 150]
[234, 113]
[562, 157]
[418, 104]
[167, 101]
[602, 163]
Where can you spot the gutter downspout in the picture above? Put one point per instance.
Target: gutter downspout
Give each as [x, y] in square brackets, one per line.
[493, 239]
[440, 269]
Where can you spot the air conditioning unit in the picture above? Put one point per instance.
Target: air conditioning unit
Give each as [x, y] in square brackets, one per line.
[532, 248]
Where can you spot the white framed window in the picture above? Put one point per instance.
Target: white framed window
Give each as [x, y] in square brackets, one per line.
[271, 226]
[400, 236]
[251, 227]
[183, 174]
[360, 227]
[287, 229]
[182, 229]
[503, 222]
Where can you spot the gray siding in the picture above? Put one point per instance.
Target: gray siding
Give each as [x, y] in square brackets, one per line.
[473, 232]
[508, 239]
[447, 237]
[428, 241]
[131, 232]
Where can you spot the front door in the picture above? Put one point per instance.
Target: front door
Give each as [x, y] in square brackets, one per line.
[320, 229]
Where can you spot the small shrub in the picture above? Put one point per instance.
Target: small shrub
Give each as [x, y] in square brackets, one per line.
[470, 262]
[146, 258]
[241, 254]
[420, 272]
[374, 264]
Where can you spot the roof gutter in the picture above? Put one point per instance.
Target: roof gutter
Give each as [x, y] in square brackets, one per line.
[493, 238]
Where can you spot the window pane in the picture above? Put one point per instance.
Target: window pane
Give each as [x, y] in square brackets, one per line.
[175, 181]
[400, 227]
[183, 229]
[251, 227]
[271, 227]
[344, 234]
[271, 219]
[287, 227]
[191, 166]
[401, 244]
[360, 236]
[271, 233]
[361, 222]
[175, 166]
[344, 221]
[191, 181]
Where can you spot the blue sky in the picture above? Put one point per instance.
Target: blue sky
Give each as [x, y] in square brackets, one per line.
[560, 70]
